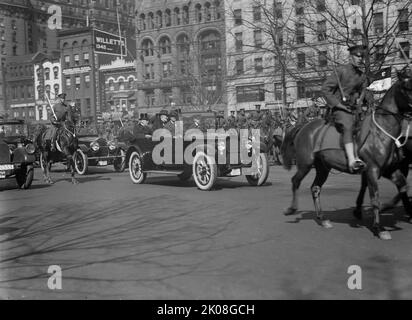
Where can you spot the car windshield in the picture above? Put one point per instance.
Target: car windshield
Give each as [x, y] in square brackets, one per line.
[13, 130]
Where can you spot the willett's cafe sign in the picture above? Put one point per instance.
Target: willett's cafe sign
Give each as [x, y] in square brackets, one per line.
[109, 43]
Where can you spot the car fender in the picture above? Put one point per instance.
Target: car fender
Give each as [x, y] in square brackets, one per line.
[130, 150]
[20, 155]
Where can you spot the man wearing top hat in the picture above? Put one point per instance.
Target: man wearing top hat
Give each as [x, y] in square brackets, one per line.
[57, 118]
[142, 129]
[342, 91]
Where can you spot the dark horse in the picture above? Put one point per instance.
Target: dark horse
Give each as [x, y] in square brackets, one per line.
[377, 150]
[68, 143]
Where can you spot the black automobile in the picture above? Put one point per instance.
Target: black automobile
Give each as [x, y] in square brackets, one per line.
[206, 165]
[17, 153]
[99, 152]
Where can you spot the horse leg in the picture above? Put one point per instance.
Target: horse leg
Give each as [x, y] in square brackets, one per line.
[404, 168]
[70, 163]
[46, 171]
[303, 170]
[401, 183]
[361, 196]
[378, 230]
[322, 174]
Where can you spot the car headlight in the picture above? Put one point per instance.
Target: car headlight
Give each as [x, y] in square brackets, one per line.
[112, 145]
[221, 146]
[95, 146]
[30, 148]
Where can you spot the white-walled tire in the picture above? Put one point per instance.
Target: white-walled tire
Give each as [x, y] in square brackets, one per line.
[136, 168]
[204, 171]
[263, 171]
[80, 162]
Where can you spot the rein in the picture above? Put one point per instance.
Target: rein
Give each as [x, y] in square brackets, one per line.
[396, 140]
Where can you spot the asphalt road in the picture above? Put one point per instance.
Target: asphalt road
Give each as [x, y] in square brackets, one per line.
[168, 240]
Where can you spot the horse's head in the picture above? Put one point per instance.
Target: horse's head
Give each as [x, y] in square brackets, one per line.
[405, 80]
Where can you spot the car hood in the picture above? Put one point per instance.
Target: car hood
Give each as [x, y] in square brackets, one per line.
[87, 140]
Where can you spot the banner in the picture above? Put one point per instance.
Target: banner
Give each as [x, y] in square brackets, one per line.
[109, 43]
[381, 80]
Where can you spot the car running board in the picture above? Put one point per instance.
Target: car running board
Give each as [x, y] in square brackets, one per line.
[164, 172]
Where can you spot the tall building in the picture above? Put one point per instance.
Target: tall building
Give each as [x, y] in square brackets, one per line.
[180, 55]
[25, 26]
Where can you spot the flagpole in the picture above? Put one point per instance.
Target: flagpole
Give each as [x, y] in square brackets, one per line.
[120, 31]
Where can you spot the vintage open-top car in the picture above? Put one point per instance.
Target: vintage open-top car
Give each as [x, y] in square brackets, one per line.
[97, 151]
[17, 153]
[206, 163]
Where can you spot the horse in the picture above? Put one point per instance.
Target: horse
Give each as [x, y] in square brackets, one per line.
[67, 142]
[376, 148]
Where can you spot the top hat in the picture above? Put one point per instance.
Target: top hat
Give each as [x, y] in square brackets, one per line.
[173, 113]
[164, 112]
[357, 50]
[143, 116]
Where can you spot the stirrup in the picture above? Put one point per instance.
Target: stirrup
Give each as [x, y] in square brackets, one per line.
[357, 165]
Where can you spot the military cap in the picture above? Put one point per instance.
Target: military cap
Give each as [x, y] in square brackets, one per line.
[62, 95]
[143, 116]
[164, 112]
[173, 113]
[357, 50]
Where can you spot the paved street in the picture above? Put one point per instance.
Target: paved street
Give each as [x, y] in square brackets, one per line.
[168, 240]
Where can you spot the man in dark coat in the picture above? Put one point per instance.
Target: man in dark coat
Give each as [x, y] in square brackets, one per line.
[242, 121]
[342, 91]
[57, 118]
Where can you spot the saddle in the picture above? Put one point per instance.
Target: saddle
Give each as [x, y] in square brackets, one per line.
[48, 135]
[329, 138]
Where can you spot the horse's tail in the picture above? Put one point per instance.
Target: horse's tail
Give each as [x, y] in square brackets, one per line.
[287, 149]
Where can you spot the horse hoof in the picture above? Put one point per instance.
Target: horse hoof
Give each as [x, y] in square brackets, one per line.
[290, 211]
[384, 235]
[357, 213]
[327, 224]
[75, 182]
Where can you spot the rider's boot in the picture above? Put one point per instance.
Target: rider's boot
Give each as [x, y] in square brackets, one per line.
[53, 144]
[355, 164]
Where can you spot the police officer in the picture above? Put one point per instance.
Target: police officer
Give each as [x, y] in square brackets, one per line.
[57, 118]
[242, 121]
[256, 117]
[342, 91]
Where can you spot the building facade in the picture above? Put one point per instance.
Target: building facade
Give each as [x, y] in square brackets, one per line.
[120, 95]
[180, 55]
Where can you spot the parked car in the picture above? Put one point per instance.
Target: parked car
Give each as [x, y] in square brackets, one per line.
[17, 153]
[97, 151]
[206, 166]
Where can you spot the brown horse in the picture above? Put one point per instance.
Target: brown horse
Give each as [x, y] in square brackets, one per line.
[68, 144]
[377, 149]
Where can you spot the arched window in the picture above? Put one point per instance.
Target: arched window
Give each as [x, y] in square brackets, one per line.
[48, 90]
[168, 18]
[56, 72]
[198, 13]
[217, 10]
[159, 19]
[208, 12]
[183, 45]
[142, 22]
[165, 46]
[150, 22]
[147, 46]
[56, 90]
[176, 14]
[47, 74]
[75, 44]
[186, 17]
[39, 93]
[85, 43]
[121, 84]
[111, 85]
[65, 45]
[131, 83]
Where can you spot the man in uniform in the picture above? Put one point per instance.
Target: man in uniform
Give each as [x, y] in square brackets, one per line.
[57, 118]
[231, 121]
[256, 118]
[343, 90]
[242, 121]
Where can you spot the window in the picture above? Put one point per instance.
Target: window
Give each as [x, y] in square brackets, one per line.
[76, 60]
[323, 58]
[165, 47]
[257, 15]
[406, 48]
[56, 90]
[258, 65]
[147, 48]
[88, 106]
[121, 84]
[378, 22]
[356, 33]
[149, 71]
[257, 36]
[299, 7]
[168, 18]
[278, 91]
[380, 53]
[67, 61]
[252, 93]
[403, 24]
[239, 66]
[238, 17]
[183, 45]
[68, 82]
[309, 89]
[277, 10]
[321, 30]
[131, 83]
[183, 66]
[177, 20]
[30, 91]
[149, 98]
[87, 80]
[48, 90]
[14, 51]
[47, 74]
[239, 41]
[22, 92]
[2, 35]
[167, 69]
[320, 5]
[86, 58]
[167, 97]
[77, 82]
[300, 33]
[186, 15]
[56, 72]
[301, 60]
[111, 85]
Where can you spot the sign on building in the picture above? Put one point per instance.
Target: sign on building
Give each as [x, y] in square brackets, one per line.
[109, 43]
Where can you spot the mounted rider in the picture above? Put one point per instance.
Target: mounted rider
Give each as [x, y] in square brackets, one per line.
[343, 90]
[57, 116]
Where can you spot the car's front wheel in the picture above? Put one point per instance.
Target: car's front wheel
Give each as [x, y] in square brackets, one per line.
[24, 176]
[204, 171]
[80, 162]
[136, 168]
[119, 163]
[262, 173]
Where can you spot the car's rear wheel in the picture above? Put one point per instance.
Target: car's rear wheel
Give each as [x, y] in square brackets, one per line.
[119, 164]
[204, 171]
[24, 176]
[262, 174]
[80, 162]
[136, 168]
